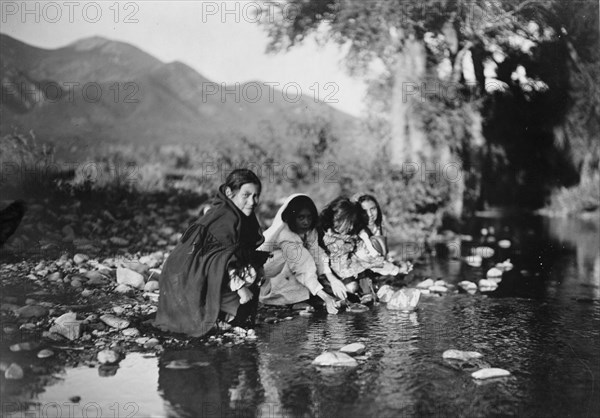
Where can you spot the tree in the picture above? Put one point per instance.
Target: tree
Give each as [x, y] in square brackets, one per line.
[424, 51]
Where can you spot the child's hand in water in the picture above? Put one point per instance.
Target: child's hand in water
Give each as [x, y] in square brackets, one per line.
[338, 288]
[245, 295]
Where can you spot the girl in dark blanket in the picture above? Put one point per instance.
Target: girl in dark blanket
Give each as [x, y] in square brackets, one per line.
[213, 274]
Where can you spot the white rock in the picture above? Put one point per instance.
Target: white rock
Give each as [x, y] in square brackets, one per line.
[150, 261]
[486, 285]
[506, 265]
[114, 322]
[504, 243]
[108, 357]
[137, 267]
[67, 325]
[151, 286]
[468, 286]
[130, 278]
[80, 258]
[494, 273]
[14, 372]
[461, 355]
[474, 260]
[354, 349]
[483, 252]
[490, 373]
[438, 289]
[131, 332]
[45, 353]
[123, 288]
[440, 283]
[405, 300]
[426, 284]
[385, 292]
[331, 358]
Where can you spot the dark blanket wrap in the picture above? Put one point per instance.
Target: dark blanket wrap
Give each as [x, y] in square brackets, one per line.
[195, 276]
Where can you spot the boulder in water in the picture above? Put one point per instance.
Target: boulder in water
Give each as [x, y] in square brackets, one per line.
[334, 359]
[490, 373]
[405, 300]
[461, 355]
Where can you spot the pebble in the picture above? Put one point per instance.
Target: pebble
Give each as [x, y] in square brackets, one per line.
[137, 267]
[114, 322]
[150, 261]
[354, 349]
[27, 346]
[76, 283]
[45, 353]
[87, 292]
[31, 311]
[489, 373]
[474, 260]
[504, 243]
[468, 286]
[142, 340]
[108, 356]
[80, 258]
[405, 300]
[130, 278]
[151, 343]
[425, 284]
[334, 359]
[118, 310]
[385, 292]
[131, 332]
[461, 355]
[486, 285]
[494, 273]
[14, 372]
[438, 289]
[123, 289]
[54, 277]
[483, 252]
[67, 325]
[151, 286]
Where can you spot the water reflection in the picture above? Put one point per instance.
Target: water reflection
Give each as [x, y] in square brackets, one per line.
[223, 382]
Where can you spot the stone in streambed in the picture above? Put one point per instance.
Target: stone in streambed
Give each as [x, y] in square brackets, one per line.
[14, 372]
[490, 373]
[45, 353]
[335, 359]
[405, 300]
[130, 278]
[27, 346]
[31, 311]
[80, 258]
[461, 355]
[426, 284]
[151, 286]
[123, 289]
[108, 357]
[114, 322]
[137, 267]
[354, 349]
[67, 325]
[385, 292]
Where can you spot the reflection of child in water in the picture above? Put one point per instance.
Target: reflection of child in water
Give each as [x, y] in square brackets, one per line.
[348, 245]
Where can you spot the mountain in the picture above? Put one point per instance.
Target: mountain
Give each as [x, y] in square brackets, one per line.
[98, 91]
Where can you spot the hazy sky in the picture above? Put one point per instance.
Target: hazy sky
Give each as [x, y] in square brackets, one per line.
[216, 38]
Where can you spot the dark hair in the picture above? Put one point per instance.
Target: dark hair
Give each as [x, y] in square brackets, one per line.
[238, 177]
[370, 198]
[295, 206]
[343, 209]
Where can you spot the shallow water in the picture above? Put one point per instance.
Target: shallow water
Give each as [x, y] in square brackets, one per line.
[542, 324]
